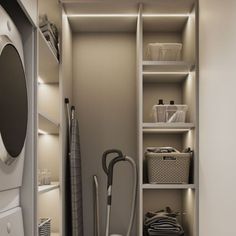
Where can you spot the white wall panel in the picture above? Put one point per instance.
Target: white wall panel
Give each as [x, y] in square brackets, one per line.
[217, 117]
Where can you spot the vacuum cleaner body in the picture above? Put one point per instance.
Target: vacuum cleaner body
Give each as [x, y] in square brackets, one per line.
[108, 169]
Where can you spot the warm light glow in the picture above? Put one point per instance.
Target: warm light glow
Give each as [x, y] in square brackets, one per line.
[42, 131]
[165, 73]
[101, 15]
[125, 15]
[40, 80]
[166, 15]
[190, 192]
[166, 130]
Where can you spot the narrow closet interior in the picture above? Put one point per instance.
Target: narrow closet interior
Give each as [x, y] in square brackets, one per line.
[49, 199]
[106, 68]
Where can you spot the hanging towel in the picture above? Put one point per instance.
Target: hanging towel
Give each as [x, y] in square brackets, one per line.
[76, 181]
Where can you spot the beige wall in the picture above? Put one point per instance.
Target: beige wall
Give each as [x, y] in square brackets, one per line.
[217, 117]
[104, 86]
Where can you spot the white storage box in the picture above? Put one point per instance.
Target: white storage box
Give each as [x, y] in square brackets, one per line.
[168, 168]
[169, 113]
[176, 113]
[164, 51]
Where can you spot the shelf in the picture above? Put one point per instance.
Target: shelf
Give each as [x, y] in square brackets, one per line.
[47, 125]
[168, 186]
[47, 188]
[48, 62]
[167, 127]
[164, 77]
[126, 7]
[55, 234]
[167, 66]
[166, 23]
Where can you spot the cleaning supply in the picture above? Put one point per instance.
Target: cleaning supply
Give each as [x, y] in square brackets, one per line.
[159, 111]
[108, 169]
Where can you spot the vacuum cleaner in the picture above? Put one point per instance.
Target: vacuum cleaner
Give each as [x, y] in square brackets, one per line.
[108, 167]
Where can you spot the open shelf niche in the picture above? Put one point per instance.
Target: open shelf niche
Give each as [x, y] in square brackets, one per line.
[171, 81]
[179, 200]
[49, 123]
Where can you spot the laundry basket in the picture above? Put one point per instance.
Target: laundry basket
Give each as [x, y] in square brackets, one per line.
[164, 51]
[168, 168]
[44, 227]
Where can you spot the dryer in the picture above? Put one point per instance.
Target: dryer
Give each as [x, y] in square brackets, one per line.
[13, 126]
[13, 104]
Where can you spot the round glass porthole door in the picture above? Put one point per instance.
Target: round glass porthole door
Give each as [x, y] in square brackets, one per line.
[13, 104]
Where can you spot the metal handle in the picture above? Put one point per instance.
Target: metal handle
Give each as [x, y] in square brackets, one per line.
[72, 112]
[105, 156]
[67, 102]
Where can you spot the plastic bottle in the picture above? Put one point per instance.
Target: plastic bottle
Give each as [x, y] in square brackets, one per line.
[161, 111]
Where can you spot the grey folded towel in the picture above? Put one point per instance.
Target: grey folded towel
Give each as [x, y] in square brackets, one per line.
[162, 223]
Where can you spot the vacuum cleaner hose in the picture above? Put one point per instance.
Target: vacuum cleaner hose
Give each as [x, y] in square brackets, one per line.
[108, 169]
[132, 214]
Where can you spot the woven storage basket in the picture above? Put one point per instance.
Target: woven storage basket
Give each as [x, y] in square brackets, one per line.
[168, 168]
[45, 227]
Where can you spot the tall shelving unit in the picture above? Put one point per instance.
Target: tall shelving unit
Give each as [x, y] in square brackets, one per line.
[49, 201]
[168, 80]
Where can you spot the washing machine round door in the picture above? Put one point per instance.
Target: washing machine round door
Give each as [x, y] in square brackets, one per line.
[13, 102]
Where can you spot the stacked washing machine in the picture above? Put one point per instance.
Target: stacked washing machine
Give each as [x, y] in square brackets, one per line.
[13, 126]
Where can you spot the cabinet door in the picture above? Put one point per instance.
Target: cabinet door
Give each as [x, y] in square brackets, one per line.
[30, 7]
[217, 117]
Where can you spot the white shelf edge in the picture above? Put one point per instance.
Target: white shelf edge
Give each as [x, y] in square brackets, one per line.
[48, 188]
[168, 186]
[170, 66]
[166, 63]
[48, 46]
[167, 127]
[165, 73]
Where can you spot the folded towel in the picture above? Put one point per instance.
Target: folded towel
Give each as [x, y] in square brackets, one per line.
[162, 223]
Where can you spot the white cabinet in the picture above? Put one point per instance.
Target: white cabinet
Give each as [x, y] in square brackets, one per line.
[30, 8]
[217, 117]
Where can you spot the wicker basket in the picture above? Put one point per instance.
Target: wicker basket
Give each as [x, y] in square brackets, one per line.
[168, 168]
[44, 227]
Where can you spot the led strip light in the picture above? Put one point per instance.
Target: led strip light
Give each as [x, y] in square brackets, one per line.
[126, 15]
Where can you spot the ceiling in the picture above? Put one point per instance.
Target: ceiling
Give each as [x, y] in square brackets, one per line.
[100, 22]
